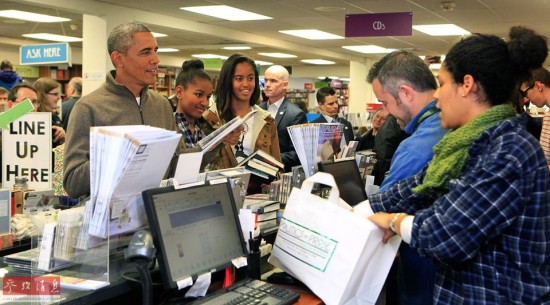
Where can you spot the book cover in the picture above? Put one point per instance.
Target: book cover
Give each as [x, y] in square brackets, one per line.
[5, 210]
[266, 216]
[349, 150]
[257, 172]
[263, 167]
[261, 206]
[265, 157]
[263, 225]
[269, 230]
[262, 156]
[217, 136]
[329, 141]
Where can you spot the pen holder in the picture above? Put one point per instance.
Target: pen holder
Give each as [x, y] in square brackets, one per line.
[253, 267]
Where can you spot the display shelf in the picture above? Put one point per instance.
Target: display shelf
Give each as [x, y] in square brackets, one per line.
[297, 95]
[165, 82]
[343, 100]
[62, 75]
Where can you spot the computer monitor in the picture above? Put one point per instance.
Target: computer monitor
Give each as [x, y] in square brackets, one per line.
[348, 179]
[195, 230]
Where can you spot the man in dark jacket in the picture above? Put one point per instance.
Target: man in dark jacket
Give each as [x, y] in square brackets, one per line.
[285, 112]
[328, 104]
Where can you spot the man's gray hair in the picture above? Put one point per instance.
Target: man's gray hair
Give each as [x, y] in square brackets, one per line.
[120, 38]
[402, 68]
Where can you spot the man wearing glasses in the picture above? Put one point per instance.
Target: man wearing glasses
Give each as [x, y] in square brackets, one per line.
[537, 90]
[20, 92]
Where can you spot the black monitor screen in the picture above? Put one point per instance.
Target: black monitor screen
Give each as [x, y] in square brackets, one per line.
[348, 179]
[195, 230]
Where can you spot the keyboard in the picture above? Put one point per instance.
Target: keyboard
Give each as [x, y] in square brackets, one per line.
[250, 291]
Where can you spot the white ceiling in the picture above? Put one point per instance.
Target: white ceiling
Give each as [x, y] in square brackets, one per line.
[193, 33]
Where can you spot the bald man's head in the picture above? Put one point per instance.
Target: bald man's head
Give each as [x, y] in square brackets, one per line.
[276, 82]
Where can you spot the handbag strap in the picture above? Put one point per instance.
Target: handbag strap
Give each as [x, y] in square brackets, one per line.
[326, 179]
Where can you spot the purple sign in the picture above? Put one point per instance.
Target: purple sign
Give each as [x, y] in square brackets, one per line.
[383, 24]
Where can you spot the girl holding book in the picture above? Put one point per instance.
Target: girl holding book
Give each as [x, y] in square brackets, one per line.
[237, 94]
[193, 91]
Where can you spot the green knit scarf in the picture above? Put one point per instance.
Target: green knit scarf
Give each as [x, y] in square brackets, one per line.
[451, 152]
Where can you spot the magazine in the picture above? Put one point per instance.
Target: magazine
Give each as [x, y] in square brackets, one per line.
[316, 142]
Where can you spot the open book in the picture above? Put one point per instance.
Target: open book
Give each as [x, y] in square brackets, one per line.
[189, 164]
[217, 136]
[316, 142]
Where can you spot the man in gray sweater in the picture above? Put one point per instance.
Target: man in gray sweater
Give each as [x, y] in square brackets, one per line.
[124, 99]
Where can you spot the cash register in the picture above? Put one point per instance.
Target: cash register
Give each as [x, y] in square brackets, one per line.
[195, 231]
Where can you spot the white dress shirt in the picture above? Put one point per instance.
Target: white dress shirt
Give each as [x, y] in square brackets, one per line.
[273, 108]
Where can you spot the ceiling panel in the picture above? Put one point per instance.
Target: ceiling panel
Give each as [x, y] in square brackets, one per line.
[210, 34]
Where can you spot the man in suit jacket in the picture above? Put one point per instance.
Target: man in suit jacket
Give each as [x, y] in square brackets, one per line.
[285, 113]
[328, 104]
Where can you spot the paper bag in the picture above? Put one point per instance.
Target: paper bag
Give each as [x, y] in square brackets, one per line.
[337, 253]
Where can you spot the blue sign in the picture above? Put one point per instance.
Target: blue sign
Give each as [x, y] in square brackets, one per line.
[51, 53]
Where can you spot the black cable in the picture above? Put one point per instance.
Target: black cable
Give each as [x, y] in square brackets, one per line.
[131, 275]
[146, 281]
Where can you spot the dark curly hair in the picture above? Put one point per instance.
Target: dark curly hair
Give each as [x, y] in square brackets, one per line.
[495, 64]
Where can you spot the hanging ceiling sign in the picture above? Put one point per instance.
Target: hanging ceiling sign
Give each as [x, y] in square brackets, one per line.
[51, 53]
[383, 24]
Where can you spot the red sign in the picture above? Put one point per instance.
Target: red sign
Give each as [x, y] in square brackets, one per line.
[373, 106]
[31, 287]
[308, 86]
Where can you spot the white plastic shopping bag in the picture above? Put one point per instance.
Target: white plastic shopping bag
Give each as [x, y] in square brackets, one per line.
[337, 253]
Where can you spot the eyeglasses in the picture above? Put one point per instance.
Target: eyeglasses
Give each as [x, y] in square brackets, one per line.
[54, 93]
[523, 93]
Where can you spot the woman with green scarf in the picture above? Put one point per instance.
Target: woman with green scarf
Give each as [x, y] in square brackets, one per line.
[481, 209]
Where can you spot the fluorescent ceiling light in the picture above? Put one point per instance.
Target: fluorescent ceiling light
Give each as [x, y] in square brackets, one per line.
[318, 61]
[167, 50]
[369, 49]
[237, 48]
[52, 37]
[312, 34]
[325, 77]
[158, 34]
[441, 30]
[435, 66]
[21, 15]
[209, 56]
[278, 55]
[263, 63]
[225, 12]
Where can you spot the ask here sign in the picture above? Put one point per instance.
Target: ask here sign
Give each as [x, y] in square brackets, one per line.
[27, 151]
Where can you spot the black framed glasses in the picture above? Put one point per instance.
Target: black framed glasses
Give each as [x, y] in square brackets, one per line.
[523, 93]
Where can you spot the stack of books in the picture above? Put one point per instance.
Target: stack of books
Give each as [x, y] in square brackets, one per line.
[262, 164]
[266, 213]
